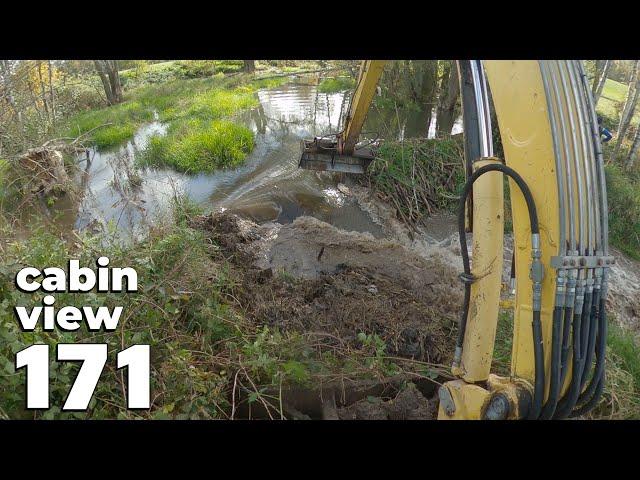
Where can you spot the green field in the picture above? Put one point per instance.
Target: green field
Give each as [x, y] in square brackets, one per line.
[611, 103]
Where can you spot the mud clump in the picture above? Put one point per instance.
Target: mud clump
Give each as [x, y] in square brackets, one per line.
[311, 277]
[409, 404]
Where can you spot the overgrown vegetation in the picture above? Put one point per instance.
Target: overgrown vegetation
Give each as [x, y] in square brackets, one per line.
[418, 176]
[208, 359]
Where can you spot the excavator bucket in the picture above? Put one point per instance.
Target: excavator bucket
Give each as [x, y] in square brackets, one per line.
[321, 154]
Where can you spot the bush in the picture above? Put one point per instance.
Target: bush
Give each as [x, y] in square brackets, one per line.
[623, 193]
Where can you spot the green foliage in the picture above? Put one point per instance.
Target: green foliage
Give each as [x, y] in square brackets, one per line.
[336, 84]
[374, 347]
[200, 146]
[623, 192]
[169, 263]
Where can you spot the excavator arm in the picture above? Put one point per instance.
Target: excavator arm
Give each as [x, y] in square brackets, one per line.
[553, 159]
[340, 152]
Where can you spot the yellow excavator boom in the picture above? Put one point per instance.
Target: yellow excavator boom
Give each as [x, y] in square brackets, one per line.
[553, 159]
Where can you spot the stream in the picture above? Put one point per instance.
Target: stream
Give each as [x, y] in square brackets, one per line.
[269, 186]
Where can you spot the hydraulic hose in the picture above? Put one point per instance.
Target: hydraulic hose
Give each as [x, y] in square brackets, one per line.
[593, 392]
[556, 365]
[536, 269]
[591, 344]
[569, 401]
[566, 330]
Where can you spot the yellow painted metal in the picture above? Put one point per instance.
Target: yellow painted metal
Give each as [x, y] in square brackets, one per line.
[370, 72]
[469, 401]
[521, 107]
[488, 207]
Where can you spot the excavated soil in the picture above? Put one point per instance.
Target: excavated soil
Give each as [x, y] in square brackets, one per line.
[309, 276]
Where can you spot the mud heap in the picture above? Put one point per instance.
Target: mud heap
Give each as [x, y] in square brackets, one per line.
[309, 276]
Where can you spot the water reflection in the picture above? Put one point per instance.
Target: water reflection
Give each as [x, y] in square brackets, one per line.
[268, 187]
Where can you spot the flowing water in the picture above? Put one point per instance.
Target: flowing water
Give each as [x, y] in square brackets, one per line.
[268, 187]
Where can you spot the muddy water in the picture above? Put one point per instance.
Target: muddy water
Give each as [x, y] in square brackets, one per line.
[268, 187]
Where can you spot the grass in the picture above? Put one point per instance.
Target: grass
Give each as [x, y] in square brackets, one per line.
[120, 122]
[623, 192]
[200, 146]
[622, 388]
[611, 102]
[336, 84]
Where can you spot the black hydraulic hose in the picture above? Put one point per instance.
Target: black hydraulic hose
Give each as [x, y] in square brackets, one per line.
[538, 352]
[556, 365]
[593, 401]
[586, 327]
[566, 330]
[569, 400]
[591, 345]
[592, 393]
[513, 265]
[468, 278]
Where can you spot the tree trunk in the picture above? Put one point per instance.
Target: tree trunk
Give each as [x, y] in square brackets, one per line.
[633, 153]
[597, 66]
[249, 66]
[43, 95]
[428, 90]
[629, 108]
[601, 82]
[449, 92]
[8, 89]
[52, 98]
[108, 73]
[114, 79]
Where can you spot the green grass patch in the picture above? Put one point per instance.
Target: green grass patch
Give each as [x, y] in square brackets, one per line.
[120, 122]
[625, 347]
[623, 192]
[504, 343]
[611, 103]
[336, 84]
[200, 146]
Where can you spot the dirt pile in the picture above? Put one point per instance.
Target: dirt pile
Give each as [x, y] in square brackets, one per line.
[311, 277]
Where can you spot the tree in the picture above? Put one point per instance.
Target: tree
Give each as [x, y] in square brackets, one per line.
[635, 146]
[108, 72]
[601, 81]
[249, 66]
[629, 107]
[449, 92]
